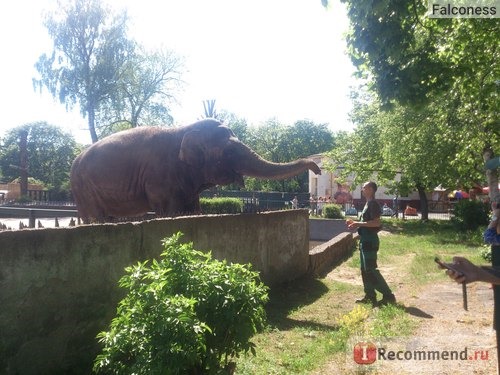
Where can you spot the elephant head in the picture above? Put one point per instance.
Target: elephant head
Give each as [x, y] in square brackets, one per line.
[214, 150]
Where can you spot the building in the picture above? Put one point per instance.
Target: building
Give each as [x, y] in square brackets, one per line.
[326, 186]
[12, 191]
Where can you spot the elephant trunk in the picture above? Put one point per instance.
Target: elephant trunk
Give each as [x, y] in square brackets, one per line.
[252, 165]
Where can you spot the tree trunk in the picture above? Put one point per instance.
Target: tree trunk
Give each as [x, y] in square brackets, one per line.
[91, 122]
[424, 205]
[23, 163]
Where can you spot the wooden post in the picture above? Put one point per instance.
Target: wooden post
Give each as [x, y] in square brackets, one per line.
[32, 218]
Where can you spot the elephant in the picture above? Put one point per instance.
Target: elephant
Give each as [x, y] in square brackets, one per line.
[143, 169]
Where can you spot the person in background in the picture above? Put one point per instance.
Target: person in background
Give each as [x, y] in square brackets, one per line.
[492, 233]
[368, 229]
[321, 203]
[313, 201]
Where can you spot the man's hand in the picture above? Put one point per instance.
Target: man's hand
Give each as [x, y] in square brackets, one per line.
[465, 271]
[352, 225]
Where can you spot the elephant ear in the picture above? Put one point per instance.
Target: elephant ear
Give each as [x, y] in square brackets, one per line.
[191, 151]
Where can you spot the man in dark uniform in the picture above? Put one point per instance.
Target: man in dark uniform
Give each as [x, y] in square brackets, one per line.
[368, 229]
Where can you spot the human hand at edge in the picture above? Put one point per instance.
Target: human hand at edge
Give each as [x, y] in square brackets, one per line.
[465, 271]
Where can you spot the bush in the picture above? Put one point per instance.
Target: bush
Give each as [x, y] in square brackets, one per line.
[486, 253]
[221, 205]
[183, 314]
[332, 211]
[468, 215]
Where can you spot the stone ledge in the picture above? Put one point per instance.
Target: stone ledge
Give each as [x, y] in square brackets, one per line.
[326, 229]
[325, 257]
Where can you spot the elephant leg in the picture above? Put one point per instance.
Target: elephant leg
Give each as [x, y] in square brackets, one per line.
[175, 206]
[193, 207]
[172, 203]
[84, 214]
[162, 203]
[84, 217]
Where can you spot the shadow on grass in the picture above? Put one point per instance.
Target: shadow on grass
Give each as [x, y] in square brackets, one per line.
[288, 297]
[286, 324]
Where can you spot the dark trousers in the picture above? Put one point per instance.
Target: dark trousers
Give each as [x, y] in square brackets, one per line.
[372, 278]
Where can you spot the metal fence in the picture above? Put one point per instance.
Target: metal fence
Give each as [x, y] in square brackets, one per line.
[33, 217]
[253, 202]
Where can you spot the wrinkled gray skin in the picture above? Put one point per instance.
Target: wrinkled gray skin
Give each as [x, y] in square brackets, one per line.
[164, 170]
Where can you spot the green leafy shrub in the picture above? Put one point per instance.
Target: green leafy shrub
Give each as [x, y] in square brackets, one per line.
[221, 205]
[469, 215]
[333, 211]
[184, 314]
[486, 253]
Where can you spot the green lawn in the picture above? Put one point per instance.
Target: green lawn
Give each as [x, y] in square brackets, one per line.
[310, 321]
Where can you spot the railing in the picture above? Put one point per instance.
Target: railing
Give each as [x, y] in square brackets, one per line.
[43, 209]
[40, 204]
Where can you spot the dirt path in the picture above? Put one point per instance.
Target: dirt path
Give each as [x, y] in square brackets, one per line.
[443, 325]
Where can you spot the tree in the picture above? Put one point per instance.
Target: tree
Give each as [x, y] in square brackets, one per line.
[306, 138]
[149, 81]
[268, 141]
[238, 125]
[50, 153]
[417, 145]
[23, 162]
[90, 53]
[280, 143]
[391, 43]
[416, 61]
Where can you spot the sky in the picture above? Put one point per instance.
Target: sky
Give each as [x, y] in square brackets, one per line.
[259, 59]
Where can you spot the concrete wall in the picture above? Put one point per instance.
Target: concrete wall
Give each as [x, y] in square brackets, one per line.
[58, 287]
[326, 229]
[325, 257]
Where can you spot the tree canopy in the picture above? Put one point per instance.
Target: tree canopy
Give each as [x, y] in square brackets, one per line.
[148, 84]
[281, 143]
[436, 109]
[50, 153]
[96, 66]
[90, 51]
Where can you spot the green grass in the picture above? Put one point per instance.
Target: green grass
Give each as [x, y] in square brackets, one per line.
[307, 337]
[422, 241]
[311, 321]
[303, 330]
